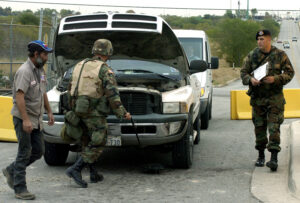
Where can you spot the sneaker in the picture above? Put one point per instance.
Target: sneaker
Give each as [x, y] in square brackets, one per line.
[9, 178]
[25, 195]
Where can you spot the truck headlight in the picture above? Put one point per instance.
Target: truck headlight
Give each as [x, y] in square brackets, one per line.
[54, 106]
[175, 107]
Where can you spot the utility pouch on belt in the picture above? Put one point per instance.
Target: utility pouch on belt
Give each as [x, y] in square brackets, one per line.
[73, 131]
[82, 105]
[72, 118]
[102, 106]
[64, 136]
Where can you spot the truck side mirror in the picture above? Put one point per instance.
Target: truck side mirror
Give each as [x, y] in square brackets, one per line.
[198, 66]
[214, 62]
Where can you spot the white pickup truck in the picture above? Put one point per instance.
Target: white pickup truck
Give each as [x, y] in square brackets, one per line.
[154, 82]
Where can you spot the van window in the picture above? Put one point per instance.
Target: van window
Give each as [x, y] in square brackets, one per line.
[193, 48]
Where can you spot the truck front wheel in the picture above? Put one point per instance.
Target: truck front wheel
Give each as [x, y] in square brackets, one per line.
[205, 118]
[56, 154]
[182, 153]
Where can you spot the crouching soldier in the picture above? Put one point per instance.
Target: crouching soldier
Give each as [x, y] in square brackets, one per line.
[93, 92]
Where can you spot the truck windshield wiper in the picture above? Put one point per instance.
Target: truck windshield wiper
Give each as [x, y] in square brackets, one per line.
[134, 71]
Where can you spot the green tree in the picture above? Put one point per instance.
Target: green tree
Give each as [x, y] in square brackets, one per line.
[26, 18]
[229, 14]
[235, 38]
[66, 12]
[272, 25]
[195, 19]
[130, 11]
[242, 13]
[5, 11]
[47, 13]
[268, 15]
[253, 12]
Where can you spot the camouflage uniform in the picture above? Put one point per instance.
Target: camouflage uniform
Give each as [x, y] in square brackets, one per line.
[94, 122]
[267, 100]
[92, 93]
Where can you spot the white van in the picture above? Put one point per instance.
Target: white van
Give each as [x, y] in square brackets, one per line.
[196, 46]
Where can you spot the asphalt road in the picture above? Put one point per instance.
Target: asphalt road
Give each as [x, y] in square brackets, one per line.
[221, 172]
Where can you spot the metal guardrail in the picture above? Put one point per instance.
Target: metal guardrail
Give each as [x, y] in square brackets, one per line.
[17, 62]
[11, 62]
[5, 92]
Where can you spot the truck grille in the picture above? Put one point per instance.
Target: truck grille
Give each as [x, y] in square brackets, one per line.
[140, 103]
[87, 17]
[139, 130]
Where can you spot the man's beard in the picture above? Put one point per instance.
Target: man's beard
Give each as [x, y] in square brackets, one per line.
[39, 62]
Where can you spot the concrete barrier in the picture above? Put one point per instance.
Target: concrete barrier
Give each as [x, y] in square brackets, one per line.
[240, 108]
[294, 170]
[7, 132]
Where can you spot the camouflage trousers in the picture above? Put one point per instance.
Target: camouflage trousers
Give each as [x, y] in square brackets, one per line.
[268, 117]
[94, 138]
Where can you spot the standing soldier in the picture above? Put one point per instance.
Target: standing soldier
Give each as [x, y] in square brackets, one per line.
[267, 98]
[29, 101]
[93, 91]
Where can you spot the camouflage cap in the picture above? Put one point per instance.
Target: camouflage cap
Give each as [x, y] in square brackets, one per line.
[102, 47]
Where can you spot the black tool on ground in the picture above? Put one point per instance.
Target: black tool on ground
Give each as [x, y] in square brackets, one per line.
[153, 168]
[135, 130]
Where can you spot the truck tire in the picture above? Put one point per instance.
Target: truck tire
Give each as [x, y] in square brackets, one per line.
[197, 127]
[56, 154]
[210, 109]
[182, 153]
[205, 118]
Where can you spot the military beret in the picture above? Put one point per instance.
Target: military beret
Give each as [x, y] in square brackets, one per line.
[263, 33]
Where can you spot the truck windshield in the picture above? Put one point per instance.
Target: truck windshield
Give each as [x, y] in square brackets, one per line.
[193, 48]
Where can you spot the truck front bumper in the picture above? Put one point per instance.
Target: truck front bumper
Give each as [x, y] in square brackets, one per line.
[152, 129]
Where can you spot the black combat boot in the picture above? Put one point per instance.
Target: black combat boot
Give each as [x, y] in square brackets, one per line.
[260, 162]
[94, 176]
[273, 163]
[74, 172]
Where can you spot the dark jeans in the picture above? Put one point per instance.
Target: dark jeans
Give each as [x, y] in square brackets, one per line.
[31, 148]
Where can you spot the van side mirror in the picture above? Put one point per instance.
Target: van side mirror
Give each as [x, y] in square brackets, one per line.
[198, 66]
[214, 62]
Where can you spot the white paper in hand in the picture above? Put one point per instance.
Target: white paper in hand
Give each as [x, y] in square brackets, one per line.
[261, 71]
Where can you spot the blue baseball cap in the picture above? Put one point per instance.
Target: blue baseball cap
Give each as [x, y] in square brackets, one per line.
[38, 45]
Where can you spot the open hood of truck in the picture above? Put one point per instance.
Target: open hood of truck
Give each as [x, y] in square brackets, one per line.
[160, 46]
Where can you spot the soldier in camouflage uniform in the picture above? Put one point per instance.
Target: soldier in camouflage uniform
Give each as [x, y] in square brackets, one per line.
[93, 87]
[267, 98]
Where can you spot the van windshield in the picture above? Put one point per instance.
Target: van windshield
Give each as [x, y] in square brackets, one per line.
[193, 48]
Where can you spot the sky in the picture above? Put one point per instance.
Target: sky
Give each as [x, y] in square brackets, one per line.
[215, 4]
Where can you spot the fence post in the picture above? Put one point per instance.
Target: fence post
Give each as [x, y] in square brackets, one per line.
[51, 61]
[41, 24]
[11, 51]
